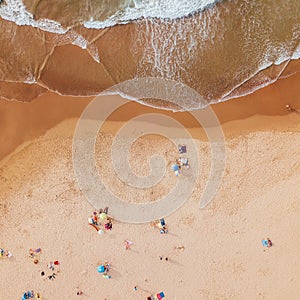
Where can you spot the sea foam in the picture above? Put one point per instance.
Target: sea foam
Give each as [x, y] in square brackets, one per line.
[164, 9]
[15, 11]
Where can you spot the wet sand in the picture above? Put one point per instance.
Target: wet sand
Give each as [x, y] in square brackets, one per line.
[35, 118]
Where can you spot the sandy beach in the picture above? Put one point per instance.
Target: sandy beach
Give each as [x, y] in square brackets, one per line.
[213, 253]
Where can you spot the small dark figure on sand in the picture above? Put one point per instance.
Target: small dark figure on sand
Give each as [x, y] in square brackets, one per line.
[292, 109]
[270, 244]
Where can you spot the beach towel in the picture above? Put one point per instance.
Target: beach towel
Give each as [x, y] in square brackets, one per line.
[159, 226]
[181, 149]
[160, 295]
[265, 243]
[103, 216]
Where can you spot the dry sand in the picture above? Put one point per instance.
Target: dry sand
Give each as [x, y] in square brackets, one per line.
[214, 253]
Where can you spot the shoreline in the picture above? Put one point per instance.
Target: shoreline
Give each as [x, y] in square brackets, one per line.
[263, 110]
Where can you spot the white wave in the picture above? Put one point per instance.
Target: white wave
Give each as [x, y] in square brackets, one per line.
[296, 34]
[15, 11]
[165, 9]
[296, 53]
[30, 79]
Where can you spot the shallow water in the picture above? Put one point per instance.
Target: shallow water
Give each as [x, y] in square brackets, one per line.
[222, 50]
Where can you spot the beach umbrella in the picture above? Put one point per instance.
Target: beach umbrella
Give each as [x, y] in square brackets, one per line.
[101, 269]
[175, 167]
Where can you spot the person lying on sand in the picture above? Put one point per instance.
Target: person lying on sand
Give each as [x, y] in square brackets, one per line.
[267, 243]
[6, 253]
[127, 244]
[270, 244]
[52, 277]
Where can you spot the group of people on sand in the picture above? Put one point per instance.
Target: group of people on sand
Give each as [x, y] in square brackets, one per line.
[181, 161]
[31, 294]
[35, 254]
[52, 265]
[5, 253]
[161, 225]
[100, 220]
[104, 270]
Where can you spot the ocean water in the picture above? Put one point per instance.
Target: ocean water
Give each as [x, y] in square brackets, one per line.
[221, 49]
